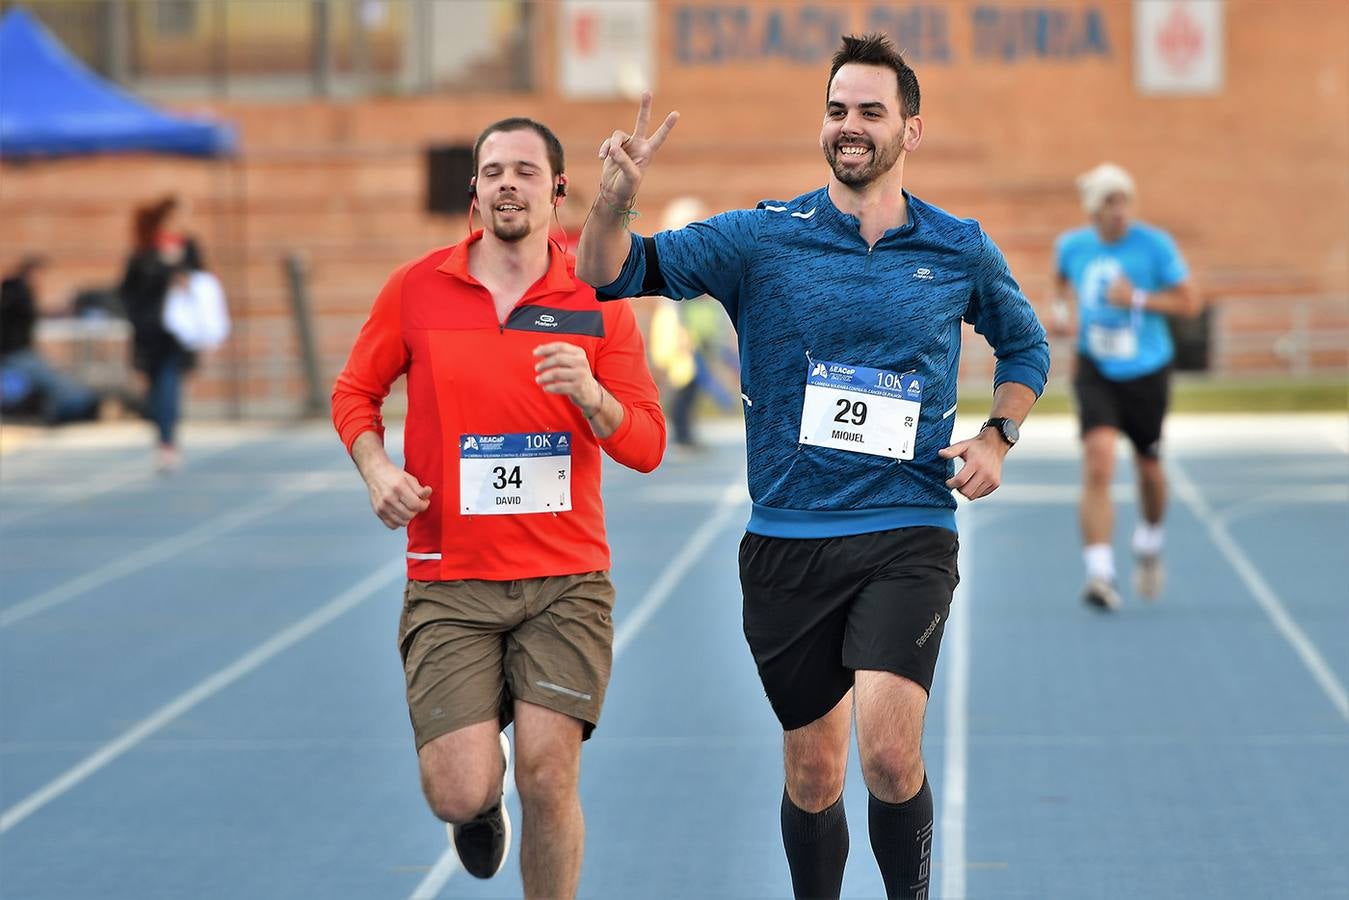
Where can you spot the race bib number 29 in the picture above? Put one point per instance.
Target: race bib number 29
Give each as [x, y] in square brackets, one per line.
[862, 410]
[503, 474]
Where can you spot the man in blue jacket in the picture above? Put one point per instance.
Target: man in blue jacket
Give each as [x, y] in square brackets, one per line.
[1126, 276]
[847, 303]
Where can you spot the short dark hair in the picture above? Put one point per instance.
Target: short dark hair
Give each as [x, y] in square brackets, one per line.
[521, 123]
[875, 49]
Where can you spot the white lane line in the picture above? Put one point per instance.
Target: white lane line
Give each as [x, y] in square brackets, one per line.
[1308, 494]
[103, 483]
[197, 483]
[1264, 595]
[686, 494]
[687, 558]
[956, 644]
[204, 690]
[1045, 494]
[731, 497]
[165, 549]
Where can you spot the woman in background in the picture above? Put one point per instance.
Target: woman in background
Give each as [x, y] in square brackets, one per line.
[150, 271]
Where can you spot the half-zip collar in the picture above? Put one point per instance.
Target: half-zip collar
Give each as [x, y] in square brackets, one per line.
[852, 225]
[559, 278]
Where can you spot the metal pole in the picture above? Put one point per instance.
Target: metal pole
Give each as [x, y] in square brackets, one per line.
[118, 41]
[323, 48]
[410, 79]
[219, 49]
[360, 49]
[304, 332]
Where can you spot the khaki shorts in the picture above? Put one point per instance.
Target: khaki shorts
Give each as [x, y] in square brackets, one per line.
[471, 648]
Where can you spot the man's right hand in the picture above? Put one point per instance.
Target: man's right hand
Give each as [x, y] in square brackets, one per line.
[626, 155]
[1061, 319]
[395, 496]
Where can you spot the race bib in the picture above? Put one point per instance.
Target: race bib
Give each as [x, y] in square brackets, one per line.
[1112, 343]
[504, 474]
[861, 410]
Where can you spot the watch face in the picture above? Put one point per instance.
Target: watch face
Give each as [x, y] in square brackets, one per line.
[1007, 428]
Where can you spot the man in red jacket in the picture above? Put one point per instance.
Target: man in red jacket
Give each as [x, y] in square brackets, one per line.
[517, 378]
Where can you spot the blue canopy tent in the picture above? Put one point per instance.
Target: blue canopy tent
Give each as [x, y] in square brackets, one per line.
[52, 105]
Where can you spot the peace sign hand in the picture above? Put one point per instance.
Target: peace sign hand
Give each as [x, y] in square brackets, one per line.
[626, 155]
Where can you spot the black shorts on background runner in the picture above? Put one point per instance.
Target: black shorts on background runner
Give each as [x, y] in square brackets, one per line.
[816, 610]
[1136, 406]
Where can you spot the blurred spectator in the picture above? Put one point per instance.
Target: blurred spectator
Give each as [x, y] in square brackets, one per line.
[157, 255]
[671, 351]
[28, 384]
[688, 340]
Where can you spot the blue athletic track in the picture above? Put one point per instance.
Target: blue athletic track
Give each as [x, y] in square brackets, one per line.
[200, 694]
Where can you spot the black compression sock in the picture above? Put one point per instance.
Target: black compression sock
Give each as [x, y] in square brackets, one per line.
[901, 838]
[817, 848]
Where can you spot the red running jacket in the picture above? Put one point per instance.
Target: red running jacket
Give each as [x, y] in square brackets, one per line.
[470, 375]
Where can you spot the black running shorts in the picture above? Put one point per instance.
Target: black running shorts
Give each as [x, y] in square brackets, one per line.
[817, 610]
[1136, 406]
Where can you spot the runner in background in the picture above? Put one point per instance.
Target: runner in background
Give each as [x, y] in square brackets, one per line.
[1126, 277]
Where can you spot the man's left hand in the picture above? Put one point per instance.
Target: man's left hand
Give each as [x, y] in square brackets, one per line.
[564, 369]
[983, 457]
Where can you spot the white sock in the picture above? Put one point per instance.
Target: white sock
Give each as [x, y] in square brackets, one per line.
[1100, 561]
[1147, 539]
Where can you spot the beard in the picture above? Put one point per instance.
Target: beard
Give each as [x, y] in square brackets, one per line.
[510, 232]
[882, 161]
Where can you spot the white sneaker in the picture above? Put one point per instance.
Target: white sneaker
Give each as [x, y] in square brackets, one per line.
[1100, 593]
[168, 459]
[484, 843]
[1149, 575]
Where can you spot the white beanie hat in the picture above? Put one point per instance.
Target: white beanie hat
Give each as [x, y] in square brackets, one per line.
[1102, 181]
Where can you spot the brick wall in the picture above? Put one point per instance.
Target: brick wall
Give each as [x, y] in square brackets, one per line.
[1253, 182]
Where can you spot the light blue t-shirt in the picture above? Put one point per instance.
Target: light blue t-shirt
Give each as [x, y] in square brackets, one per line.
[1123, 343]
[803, 288]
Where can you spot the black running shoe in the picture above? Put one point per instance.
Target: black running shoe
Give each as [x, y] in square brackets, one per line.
[484, 843]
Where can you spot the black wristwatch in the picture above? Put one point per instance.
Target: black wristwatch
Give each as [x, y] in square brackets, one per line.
[1006, 428]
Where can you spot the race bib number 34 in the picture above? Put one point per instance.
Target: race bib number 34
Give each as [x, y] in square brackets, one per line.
[861, 410]
[503, 474]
